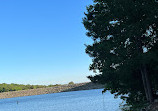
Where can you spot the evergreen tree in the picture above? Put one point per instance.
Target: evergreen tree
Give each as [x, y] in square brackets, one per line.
[124, 49]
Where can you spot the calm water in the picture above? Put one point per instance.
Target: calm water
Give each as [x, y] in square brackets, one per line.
[88, 100]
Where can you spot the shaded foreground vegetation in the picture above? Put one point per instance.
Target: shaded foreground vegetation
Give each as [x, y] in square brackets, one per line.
[16, 87]
[124, 49]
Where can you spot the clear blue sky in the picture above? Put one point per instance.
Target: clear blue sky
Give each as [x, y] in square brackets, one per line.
[42, 41]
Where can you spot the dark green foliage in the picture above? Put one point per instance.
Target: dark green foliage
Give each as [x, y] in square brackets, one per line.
[125, 47]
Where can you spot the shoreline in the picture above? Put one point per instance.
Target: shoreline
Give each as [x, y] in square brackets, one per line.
[49, 90]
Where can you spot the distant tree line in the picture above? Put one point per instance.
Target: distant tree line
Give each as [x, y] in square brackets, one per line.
[16, 87]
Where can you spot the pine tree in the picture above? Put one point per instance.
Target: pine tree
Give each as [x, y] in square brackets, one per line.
[124, 48]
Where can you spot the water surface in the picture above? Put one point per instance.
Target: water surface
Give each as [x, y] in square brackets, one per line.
[87, 100]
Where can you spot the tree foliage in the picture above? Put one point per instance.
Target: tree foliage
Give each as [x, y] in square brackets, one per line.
[124, 52]
[71, 83]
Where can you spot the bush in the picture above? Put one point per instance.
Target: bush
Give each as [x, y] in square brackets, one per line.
[71, 83]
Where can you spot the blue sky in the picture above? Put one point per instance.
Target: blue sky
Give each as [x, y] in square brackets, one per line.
[42, 41]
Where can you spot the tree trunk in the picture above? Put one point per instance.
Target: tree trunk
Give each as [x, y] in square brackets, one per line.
[144, 73]
[147, 84]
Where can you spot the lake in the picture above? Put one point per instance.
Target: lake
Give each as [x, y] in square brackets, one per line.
[87, 100]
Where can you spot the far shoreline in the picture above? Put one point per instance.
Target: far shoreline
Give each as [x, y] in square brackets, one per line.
[49, 90]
